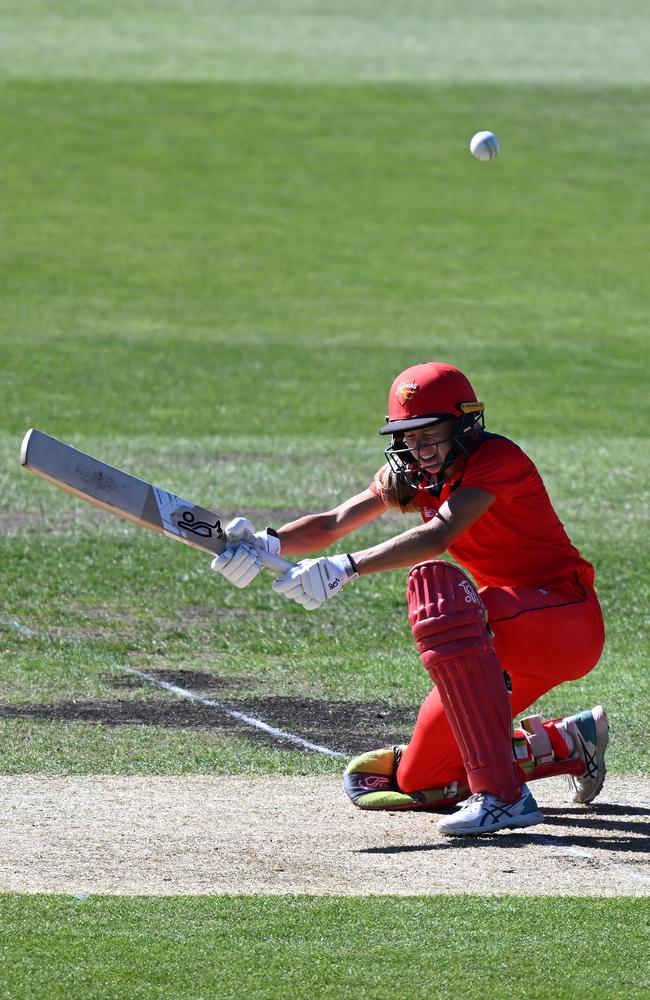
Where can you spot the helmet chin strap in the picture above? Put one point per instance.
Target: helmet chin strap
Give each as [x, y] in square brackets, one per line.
[419, 479]
[448, 464]
[467, 424]
[437, 482]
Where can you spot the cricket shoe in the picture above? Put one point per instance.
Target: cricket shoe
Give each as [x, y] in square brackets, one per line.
[485, 813]
[590, 733]
[370, 781]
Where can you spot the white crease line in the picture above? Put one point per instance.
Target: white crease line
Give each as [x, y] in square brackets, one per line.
[21, 629]
[578, 852]
[249, 720]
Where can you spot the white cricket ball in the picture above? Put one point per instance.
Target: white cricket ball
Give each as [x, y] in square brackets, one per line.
[484, 145]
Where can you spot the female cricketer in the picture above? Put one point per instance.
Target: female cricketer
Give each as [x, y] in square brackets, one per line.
[525, 621]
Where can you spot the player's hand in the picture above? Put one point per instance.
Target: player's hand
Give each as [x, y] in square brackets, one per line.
[311, 582]
[240, 561]
[240, 529]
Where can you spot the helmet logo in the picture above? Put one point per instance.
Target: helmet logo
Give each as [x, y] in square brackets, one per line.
[406, 391]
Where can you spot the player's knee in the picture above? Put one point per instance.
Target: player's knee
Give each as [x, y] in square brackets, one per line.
[408, 774]
[446, 614]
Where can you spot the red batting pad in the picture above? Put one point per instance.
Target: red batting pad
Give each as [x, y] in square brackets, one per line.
[448, 624]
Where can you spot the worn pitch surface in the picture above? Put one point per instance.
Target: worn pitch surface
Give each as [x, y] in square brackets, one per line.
[213, 835]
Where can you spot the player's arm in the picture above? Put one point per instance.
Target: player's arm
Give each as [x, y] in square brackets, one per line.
[426, 541]
[240, 561]
[317, 531]
[313, 581]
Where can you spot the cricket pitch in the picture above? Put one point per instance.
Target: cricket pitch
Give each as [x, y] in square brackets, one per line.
[213, 835]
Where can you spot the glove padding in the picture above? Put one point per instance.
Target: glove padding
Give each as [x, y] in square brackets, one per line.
[240, 561]
[311, 582]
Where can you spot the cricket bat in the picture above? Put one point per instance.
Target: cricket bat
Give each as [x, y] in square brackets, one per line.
[125, 496]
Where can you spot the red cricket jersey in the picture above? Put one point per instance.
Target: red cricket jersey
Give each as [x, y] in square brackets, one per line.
[519, 541]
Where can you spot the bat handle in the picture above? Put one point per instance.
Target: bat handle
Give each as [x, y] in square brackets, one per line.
[276, 563]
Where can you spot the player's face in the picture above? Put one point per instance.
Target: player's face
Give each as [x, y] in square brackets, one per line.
[430, 446]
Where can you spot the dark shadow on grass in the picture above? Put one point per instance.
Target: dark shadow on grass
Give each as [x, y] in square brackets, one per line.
[345, 726]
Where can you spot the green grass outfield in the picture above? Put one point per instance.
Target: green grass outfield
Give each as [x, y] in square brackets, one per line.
[225, 228]
[330, 948]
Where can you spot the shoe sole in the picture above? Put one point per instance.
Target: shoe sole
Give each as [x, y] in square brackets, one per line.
[602, 739]
[513, 823]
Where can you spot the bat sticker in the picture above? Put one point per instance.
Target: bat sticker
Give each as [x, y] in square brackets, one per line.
[188, 521]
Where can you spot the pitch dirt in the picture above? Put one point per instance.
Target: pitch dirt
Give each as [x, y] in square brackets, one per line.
[276, 835]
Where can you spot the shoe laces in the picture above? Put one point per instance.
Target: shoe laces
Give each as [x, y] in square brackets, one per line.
[476, 797]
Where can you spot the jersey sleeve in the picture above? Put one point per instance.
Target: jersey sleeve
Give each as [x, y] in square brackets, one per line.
[499, 467]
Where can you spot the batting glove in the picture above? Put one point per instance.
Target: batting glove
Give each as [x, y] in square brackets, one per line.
[311, 582]
[240, 561]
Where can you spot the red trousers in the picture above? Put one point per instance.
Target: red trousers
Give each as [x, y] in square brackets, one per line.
[542, 639]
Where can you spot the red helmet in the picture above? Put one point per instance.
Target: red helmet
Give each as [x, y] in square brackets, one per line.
[427, 393]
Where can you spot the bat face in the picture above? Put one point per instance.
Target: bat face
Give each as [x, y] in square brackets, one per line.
[121, 494]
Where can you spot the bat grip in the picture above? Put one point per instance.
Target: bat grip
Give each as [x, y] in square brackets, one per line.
[276, 563]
